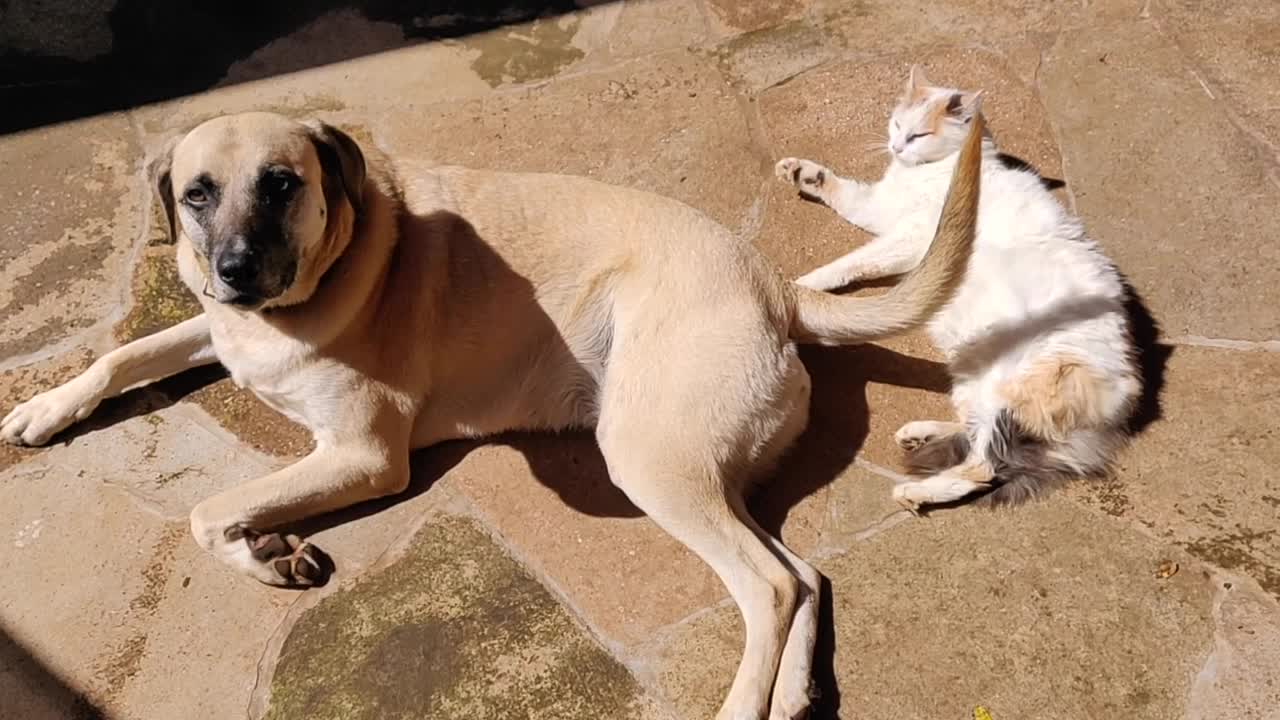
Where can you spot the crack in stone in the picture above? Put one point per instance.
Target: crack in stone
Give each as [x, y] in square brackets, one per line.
[660, 633]
[1219, 657]
[1226, 343]
[258, 701]
[1045, 59]
[882, 471]
[893, 520]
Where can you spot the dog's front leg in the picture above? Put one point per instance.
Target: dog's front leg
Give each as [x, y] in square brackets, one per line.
[241, 525]
[155, 357]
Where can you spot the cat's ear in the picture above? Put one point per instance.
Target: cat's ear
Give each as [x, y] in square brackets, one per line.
[916, 84]
[964, 105]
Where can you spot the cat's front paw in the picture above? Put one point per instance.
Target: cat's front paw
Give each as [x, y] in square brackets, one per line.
[807, 176]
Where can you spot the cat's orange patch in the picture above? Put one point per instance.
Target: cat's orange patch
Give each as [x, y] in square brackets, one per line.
[935, 117]
[975, 472]
[917, 95]
[1055, 396]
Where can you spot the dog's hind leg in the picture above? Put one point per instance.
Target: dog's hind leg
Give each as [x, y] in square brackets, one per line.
[792, 689]
[683, 456]
[688, 500]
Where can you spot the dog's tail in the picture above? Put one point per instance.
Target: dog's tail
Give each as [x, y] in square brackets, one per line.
[828, 319]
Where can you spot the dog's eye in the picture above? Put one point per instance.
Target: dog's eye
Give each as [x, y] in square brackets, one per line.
[916, 135]
[279, 185]
[196, 196]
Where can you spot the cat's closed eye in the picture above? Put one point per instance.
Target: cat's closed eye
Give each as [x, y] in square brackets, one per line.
[917, 135]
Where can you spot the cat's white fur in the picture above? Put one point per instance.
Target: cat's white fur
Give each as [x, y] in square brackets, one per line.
[1037, 338]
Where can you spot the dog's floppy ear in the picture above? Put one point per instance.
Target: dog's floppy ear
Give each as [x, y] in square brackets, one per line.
[158, 173]
[341, 160]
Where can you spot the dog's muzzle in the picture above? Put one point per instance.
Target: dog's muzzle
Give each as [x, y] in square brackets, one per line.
[247, 273]
[238, 268]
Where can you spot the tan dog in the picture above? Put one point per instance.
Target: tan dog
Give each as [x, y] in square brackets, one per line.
[387, 318]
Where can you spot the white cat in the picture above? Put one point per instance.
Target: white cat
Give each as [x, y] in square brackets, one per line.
[1037, 339]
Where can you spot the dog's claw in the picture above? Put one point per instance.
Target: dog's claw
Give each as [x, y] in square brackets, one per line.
[305, 566]
[297, 562]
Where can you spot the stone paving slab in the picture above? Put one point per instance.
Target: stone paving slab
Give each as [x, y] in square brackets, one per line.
[454, 627]
[1050, 612]
[1237, 679]
[1158, 216]
[649, 26]
[112, 598]
[160, 456]
[1201, 477]
[668, 123]
[1233, 50]
[113, 588]
[72, 213]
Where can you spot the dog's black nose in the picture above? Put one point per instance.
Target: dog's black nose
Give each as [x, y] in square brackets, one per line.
[237, 266]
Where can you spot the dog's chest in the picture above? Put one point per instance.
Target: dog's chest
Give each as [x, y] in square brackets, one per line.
[272, 371]
[281, 390]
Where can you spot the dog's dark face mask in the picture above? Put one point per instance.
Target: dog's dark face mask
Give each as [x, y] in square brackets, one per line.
[255, 195]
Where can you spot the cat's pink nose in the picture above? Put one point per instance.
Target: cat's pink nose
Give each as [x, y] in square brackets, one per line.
[898, 146]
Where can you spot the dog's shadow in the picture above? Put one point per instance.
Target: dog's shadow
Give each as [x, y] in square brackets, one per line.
[572, 466]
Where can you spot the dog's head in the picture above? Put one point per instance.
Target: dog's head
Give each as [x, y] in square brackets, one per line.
[266, 202]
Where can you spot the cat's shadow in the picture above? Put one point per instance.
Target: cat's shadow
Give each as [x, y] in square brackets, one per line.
[1013, 162]
[1152, 358]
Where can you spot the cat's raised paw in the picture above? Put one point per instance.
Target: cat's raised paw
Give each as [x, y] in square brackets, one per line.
[807, 176]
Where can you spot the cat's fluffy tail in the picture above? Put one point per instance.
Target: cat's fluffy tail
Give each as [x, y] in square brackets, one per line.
[828, 319]
[1024, 467]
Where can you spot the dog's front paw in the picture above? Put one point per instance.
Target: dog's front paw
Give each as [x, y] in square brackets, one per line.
[807, 176]
[43, 416]
[277, 559]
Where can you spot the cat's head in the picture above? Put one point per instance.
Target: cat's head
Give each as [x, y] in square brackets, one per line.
[930, 123]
